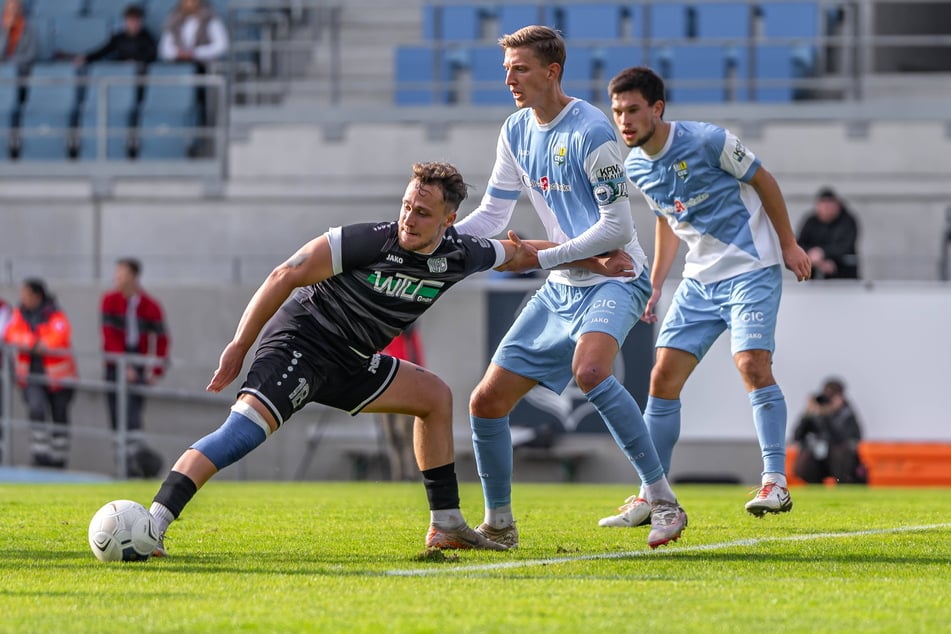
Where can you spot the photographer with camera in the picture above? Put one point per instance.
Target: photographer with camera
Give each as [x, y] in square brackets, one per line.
[828, 435]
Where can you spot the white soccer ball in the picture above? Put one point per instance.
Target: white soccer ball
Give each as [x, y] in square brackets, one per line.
[122, 530]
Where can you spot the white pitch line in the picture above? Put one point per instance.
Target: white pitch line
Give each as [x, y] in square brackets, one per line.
[526, 563]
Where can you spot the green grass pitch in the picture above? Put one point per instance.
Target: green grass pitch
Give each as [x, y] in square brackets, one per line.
[345, 557]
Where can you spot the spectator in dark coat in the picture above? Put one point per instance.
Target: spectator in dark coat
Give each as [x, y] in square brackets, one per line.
[829, 235]
[133, 43]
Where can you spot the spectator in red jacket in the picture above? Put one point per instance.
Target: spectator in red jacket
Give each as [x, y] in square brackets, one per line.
[133, 323]
[44, 368]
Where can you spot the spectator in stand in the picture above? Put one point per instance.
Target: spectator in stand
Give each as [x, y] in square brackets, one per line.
[44, 368]
[132, 322]
[828, 436]
[398, 428]
[17, 39]
[193, 33]
[829, 235]
[133, 43]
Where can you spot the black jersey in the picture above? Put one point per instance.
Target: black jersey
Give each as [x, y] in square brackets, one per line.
[379, 288]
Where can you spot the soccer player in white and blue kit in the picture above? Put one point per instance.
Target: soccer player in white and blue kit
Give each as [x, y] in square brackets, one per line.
[563, 153]
[708, 190]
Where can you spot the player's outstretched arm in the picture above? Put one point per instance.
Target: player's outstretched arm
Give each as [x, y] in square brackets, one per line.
[795, 258]
[311, 264]
[522, 255]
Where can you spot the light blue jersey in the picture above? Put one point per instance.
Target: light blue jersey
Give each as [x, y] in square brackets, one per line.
[699, 182]
[571, 169]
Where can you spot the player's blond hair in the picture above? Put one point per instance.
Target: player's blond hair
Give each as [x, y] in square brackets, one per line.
[547, 44]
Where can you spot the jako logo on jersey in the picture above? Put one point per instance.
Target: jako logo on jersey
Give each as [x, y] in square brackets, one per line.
[559, 155]
[299, 395]
[374, 363]
[394, 258]
[405, 287]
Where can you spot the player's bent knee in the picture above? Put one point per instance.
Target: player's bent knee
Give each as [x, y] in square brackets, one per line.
[240, 434]
[590, 377]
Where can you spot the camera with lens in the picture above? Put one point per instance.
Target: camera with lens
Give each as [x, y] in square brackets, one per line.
[821, 399]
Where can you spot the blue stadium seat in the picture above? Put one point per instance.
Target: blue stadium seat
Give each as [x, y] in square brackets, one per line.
[109, 9]
[512, 17]
[723, 19]
[53, 8]
[596, 21]
[614, 59]
[75, 36]
[453, 22]
[578, 78]
[790, 19]
[120, 106]
[156, 12]
[168, 110]
[418, 68]
[781, 64]
[47, 113]
[693, 65]
[667, 20]
[45, 44]
[488, 76]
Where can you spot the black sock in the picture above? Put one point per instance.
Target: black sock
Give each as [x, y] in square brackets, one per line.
[177, 491]
[442, 489]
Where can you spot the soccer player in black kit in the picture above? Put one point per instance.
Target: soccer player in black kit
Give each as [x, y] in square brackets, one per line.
[357, 287]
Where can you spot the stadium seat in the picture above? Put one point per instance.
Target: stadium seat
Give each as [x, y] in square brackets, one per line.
[109, 9]
[596, 21]
[418, 68]
[54, 8]
[78, 35]
[667, 21]
[790, 19]
[488, 77]
[9, 100]
[453, 22]
[780, 65]
[168, 111]
[723, 20]
[614, 59]
[45, 44]
[512, 17]
[118, 80]
[47, 113]
[156, 12]
[685, 67]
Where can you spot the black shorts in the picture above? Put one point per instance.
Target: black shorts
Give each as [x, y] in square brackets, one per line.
[298, 362]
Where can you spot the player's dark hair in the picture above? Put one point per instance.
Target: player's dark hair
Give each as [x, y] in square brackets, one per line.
[444, 175]
[37, 287]
[546, 43]
[132, 263]
[640, 79]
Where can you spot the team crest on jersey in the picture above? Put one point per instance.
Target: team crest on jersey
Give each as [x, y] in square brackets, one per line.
[559, 155]
[681, 168]
[437, 265]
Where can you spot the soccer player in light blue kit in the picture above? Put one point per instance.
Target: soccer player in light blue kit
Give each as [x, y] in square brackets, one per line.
[563, 153]
[708, 190]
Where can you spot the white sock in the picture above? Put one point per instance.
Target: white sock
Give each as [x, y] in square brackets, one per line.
[776, 478]
[501, 517]
[642, 492]
[659, 490]
[161, 517]
[447, 518]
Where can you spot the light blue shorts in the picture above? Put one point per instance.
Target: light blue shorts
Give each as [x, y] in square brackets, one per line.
[541, 343]
[747, 304]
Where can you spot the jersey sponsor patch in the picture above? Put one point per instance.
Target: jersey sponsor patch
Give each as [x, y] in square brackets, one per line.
[608, 192]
